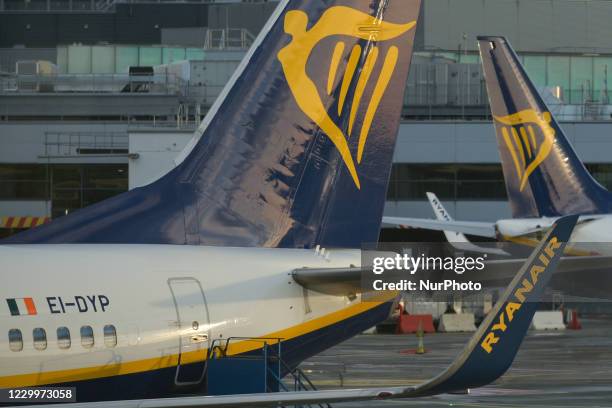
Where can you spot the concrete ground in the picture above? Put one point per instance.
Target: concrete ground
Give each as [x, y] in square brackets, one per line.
[552, 369]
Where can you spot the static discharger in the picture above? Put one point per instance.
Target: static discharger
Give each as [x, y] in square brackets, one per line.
[322, 253]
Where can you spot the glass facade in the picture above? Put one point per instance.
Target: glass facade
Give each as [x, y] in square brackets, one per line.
[68, 187]
[74, 187]
[116, 59]
[581, 77]
[24, 182]
[468, 182]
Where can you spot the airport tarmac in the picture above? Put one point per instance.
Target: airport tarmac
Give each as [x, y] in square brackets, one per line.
[552, 369]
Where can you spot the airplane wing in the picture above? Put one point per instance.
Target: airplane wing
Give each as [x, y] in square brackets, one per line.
[347, 281]
[502, 269]
[481, 229]
[487, 355]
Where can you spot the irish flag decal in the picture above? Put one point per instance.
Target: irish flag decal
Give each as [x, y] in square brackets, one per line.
[21, 306]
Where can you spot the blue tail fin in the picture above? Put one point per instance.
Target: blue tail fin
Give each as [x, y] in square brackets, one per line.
[544, 176]
[297, 150]
[491, 350]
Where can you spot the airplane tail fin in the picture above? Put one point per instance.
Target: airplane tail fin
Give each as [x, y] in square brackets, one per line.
[296, 151]
[492, 348]
[544, 176]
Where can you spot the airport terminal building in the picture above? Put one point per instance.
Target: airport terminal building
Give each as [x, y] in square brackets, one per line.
[99, 96]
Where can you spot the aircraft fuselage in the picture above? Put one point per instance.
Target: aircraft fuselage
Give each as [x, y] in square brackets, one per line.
[593, 233]
[137, 321]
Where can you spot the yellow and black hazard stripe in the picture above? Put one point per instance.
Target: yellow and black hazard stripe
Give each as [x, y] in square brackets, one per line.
[22, 222]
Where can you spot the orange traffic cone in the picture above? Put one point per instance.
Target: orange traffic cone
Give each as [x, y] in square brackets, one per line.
[420, 336]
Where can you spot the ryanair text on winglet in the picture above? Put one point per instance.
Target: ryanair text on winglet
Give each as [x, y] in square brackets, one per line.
[507, 315]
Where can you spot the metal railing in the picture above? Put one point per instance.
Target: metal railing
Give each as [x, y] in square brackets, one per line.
[52, 6]
[299, 380]
[101, 6]
[425, 99]
[92, 83]
[279, 375]
[228, 38]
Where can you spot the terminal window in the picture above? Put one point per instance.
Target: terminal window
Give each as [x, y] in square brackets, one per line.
[448, 181]
[67, 187]
[462, 181]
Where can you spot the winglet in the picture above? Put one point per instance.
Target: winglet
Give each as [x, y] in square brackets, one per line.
[438, 208]
[458, 239]
[443, 215]
[492, 349]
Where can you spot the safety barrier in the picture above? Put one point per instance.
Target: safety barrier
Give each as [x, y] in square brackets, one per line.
[459, 322]
[548, 320]
[22, 222]
[411, 323]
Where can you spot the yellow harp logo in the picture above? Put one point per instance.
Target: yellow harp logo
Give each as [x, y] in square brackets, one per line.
[527, 149]
[339, 21]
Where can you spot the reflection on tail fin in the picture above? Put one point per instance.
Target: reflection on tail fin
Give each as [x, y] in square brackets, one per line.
[296, 151]
[544, 176]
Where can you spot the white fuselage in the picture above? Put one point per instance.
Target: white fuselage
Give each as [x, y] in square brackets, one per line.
[593, 233]
[157, 297]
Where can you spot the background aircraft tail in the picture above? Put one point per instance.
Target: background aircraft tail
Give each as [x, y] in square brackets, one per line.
[544, 176]
[458, 239]
[295, 152]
